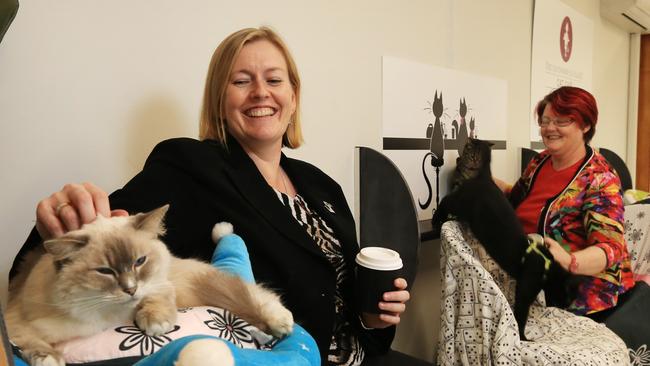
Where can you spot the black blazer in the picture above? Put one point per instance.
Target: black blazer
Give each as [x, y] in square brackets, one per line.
[205, 183]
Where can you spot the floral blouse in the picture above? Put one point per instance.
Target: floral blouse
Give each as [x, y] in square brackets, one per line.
[587, 212]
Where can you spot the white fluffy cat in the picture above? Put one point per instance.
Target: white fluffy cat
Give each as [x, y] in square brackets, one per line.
[113, 271]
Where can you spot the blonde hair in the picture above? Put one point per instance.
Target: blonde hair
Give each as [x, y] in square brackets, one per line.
[213, 122]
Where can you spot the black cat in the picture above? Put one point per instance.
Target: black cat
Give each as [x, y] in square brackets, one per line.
[476, 200]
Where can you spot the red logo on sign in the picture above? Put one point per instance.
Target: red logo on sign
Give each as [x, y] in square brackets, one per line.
[566, 39]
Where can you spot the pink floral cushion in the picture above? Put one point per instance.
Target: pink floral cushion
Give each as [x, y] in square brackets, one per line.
[127, 340]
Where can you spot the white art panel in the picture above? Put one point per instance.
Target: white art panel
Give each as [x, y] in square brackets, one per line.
[562, 54]
[429, 112]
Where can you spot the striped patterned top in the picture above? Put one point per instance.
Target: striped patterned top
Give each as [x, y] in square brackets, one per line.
[345, 348]
[589, 211]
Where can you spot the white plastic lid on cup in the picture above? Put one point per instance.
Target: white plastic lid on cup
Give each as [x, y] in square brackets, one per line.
[378, 258]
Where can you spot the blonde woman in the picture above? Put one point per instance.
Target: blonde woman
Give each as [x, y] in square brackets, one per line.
[294, 218]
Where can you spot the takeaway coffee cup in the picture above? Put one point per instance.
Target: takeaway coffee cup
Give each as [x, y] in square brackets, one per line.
[377, 269]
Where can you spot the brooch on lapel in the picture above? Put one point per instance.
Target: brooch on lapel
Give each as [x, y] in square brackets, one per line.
[328, 206]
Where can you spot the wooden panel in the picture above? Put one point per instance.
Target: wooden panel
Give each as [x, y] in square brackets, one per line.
[5, 348]
[643, 132]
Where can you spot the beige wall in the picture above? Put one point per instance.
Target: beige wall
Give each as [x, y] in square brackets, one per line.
[88, 87]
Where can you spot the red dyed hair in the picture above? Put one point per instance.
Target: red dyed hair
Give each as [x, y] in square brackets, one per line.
[575, 103]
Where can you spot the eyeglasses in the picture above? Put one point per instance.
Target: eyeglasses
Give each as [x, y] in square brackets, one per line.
[559, 122]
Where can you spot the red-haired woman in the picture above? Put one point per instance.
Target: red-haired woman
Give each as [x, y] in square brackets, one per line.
[572, 196]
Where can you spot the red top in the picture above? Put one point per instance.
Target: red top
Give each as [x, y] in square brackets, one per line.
[548, 184]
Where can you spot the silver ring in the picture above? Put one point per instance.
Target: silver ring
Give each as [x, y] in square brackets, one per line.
[60, 206]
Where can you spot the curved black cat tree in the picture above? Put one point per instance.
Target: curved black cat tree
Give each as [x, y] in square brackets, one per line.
[387, 213]
[8, 9]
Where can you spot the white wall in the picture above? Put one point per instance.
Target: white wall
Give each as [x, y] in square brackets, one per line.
[611, 78]
[88, 87]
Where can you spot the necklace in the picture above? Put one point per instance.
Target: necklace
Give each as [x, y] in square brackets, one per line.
[284, 182]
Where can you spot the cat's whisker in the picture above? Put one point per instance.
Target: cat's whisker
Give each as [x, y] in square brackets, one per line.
[91, 302]
[91, 307]
[157, 285]
[96, 305]
[76, 302]
[83, 301]
[87, 298]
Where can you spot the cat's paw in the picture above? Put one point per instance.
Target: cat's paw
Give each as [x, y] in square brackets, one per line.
[44, 358]
[279, 319]
[47, 361]
[272, 317]
[155, 322]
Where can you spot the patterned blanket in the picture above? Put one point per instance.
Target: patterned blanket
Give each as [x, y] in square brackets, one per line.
[479, 328]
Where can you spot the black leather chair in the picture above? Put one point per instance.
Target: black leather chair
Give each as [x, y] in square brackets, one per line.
[8, 9]
[526, 156]
[619, 165]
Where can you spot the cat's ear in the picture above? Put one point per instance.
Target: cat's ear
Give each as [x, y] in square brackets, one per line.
[64, 246]
[151, 221]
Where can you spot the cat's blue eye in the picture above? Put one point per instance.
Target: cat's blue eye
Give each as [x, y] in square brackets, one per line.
[140, 261]
[105, 271]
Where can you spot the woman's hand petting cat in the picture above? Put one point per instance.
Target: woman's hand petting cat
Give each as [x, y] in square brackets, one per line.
[503, 186]
[70, 208]
[392, 307]
[588, 261]
[561, 256]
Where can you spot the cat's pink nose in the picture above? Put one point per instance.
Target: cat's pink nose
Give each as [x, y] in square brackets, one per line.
[130, 290]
